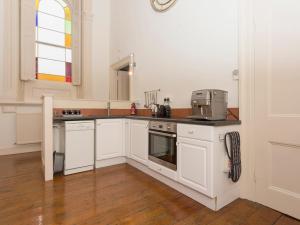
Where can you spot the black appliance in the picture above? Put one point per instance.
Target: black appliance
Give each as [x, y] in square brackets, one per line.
[162, 143]
[161, 111]
[167, 106]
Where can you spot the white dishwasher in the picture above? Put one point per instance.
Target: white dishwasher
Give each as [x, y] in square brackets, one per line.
[79, 146]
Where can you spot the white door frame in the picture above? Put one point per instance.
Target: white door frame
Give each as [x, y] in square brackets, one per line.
[246, 96]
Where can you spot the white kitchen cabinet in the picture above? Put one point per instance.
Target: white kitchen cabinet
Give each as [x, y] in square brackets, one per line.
[127, 137]
[109, 139]
[195, 165]
[139, 140]
[204, 133]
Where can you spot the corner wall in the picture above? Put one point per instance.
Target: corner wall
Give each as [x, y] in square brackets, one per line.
[192, 46]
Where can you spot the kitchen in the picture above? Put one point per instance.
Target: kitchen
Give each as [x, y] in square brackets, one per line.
[135, 106]
[151, 144]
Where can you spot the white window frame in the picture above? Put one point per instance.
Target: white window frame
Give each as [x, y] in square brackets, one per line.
[34, 88]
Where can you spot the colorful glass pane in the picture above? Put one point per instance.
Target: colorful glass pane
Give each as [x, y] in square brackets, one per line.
[68, 72]
[36, 19]
[67, 13]
[48, 77]
[37, 4]
[68, 41]
[68, 27]
[53, 41]
[68, 69]
[68, 79]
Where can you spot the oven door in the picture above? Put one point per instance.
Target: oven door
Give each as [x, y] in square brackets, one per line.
[163, 149]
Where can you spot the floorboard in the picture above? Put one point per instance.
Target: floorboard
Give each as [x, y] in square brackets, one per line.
[114, 195]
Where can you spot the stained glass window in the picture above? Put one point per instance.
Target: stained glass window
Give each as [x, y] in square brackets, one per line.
[53, 41]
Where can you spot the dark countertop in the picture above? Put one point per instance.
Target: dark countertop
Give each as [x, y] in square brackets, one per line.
[189, 121]
[177, 120]
[64, 119]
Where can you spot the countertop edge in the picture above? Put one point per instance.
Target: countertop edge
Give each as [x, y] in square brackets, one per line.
[217, 123]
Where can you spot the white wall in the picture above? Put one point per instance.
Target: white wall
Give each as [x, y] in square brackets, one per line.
[101, 49]
[192, 46]
[8, 136]
[7, 121]
[1, 46]
[7, 130]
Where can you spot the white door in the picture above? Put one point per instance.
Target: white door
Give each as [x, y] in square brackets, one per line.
[194, 167]
[109, 139]
[139, 140]
[277, 104]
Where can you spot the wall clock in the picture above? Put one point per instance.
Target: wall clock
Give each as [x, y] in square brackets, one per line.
[162, 5]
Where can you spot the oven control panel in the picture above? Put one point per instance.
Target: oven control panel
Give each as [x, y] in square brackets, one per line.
[163, 126]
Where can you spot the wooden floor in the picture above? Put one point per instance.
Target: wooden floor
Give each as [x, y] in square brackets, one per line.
[114, 195]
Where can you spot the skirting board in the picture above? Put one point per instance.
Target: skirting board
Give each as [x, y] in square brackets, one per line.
[228, 197]
[110, 162]
[78, 170]
[20, 149]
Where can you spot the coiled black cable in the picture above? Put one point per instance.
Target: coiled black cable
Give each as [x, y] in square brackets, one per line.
[234, 155]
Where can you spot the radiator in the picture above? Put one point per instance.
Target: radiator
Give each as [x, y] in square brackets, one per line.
[29, 128]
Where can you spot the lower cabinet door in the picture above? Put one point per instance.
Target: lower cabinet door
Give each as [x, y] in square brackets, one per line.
[195, 165]
[109, 138]
[139, 141]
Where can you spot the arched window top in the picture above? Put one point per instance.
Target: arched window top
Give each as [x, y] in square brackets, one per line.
[57, 8]
[51, 7]
[53, 40]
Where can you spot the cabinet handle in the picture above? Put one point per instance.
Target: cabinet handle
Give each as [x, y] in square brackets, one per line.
[191, 132]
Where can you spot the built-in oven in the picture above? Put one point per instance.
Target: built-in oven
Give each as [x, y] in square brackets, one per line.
[162, 143]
